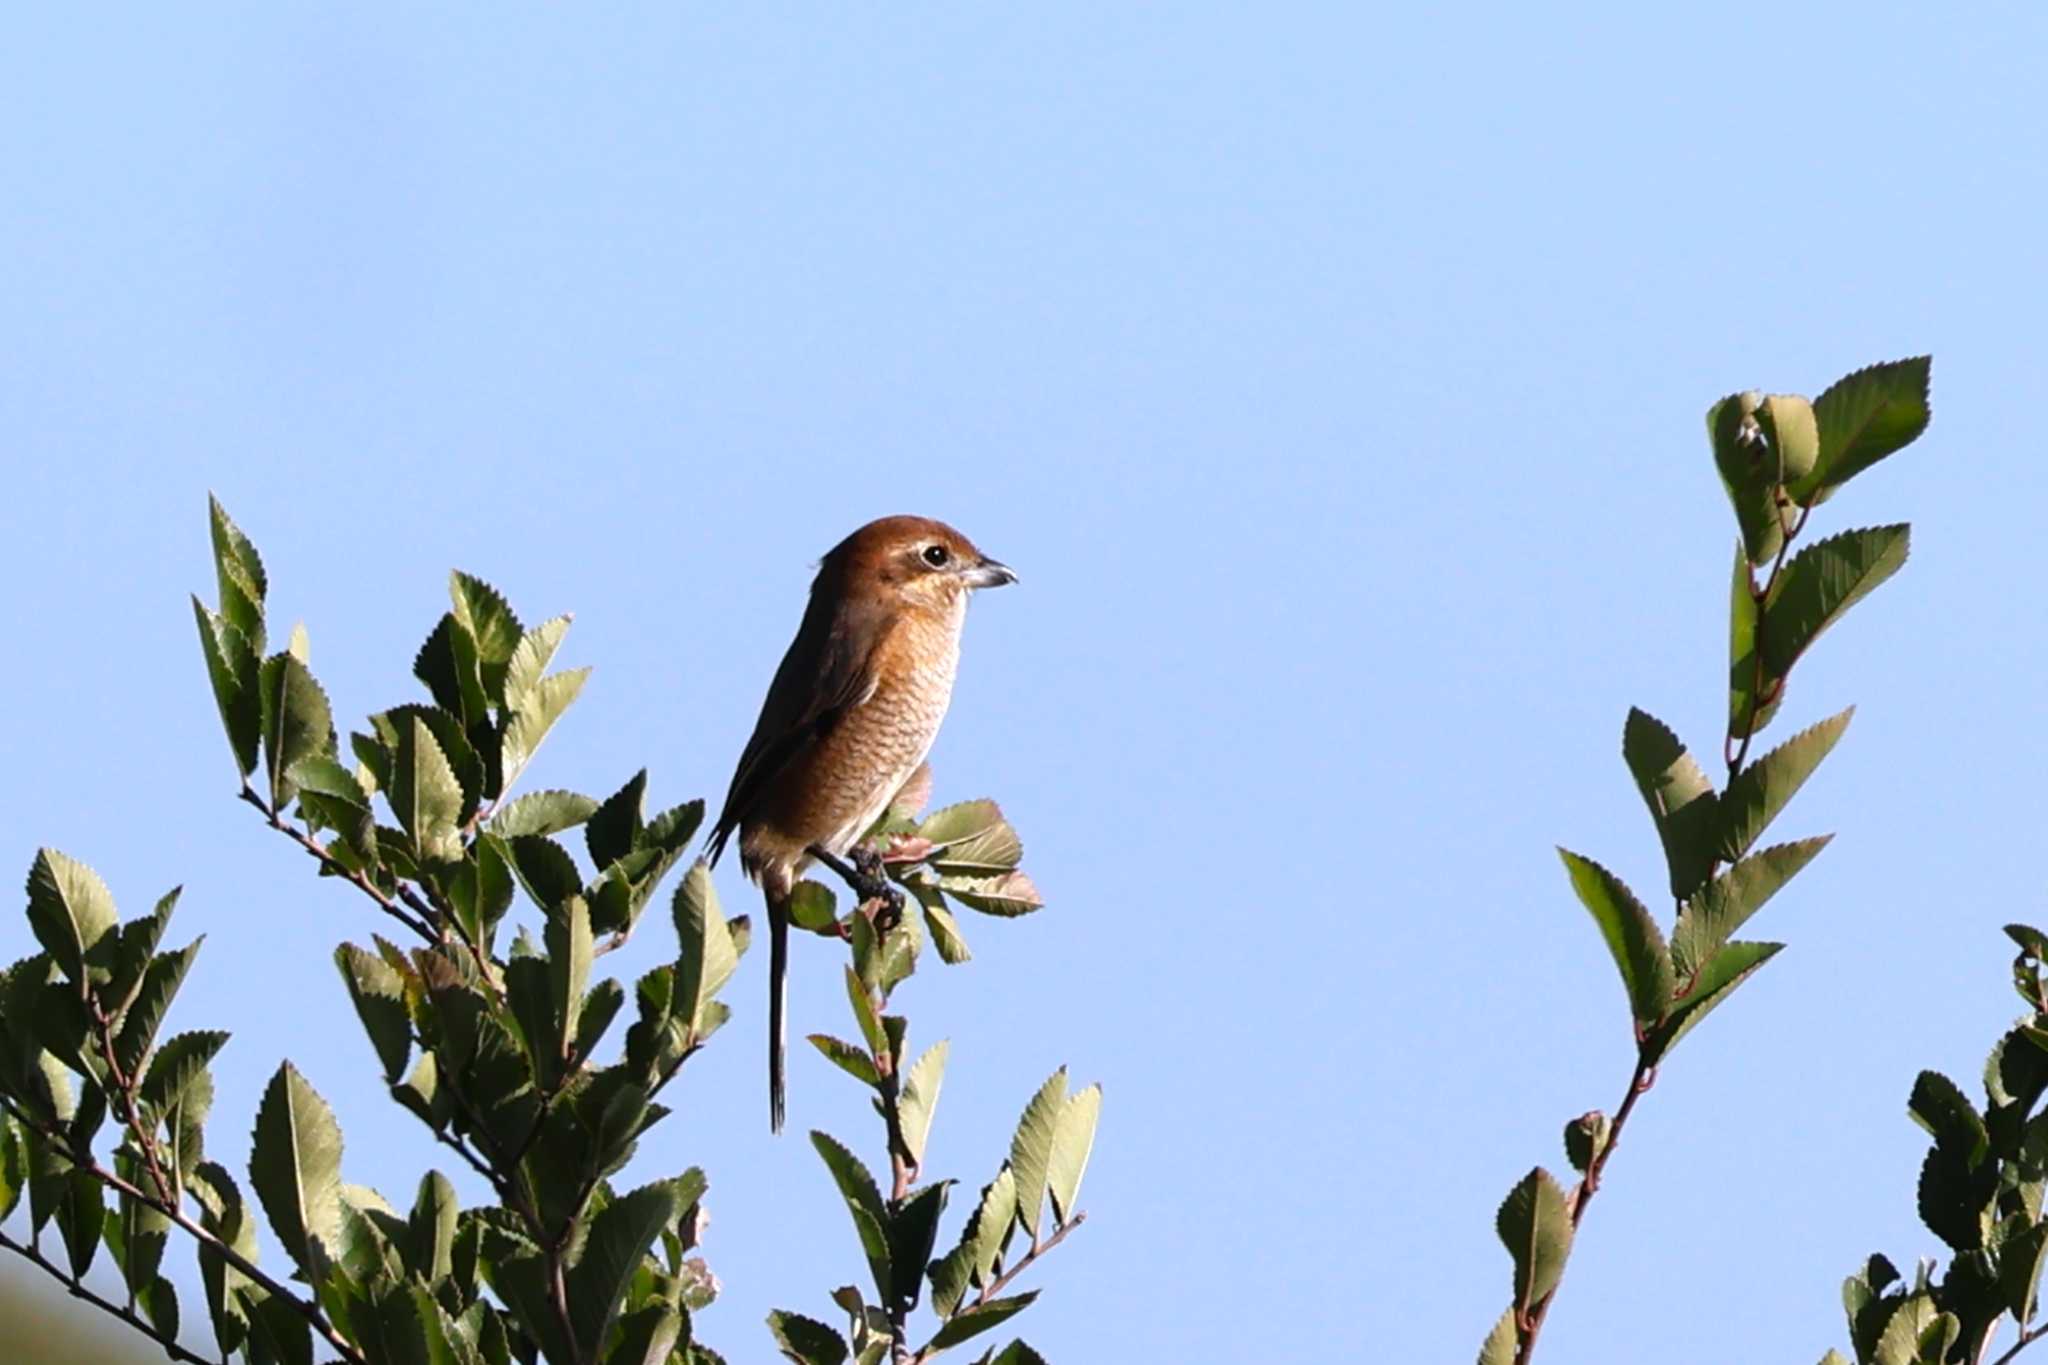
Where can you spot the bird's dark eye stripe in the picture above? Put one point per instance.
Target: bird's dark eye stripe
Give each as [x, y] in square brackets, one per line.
[936, 556]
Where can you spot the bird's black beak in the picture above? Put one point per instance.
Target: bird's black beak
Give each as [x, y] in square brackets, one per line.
[989, 574]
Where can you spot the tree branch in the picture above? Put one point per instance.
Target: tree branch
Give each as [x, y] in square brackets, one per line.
[77, 1290]
[2027, 1338]
[419, 925]
[85, 1161]
[1639, 1084]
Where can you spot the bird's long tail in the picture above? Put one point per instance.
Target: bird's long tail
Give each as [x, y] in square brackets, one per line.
[778, 1005]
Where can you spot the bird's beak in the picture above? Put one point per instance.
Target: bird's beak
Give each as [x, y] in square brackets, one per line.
[989, 574]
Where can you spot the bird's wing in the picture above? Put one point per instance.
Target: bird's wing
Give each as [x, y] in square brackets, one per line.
[828, 671]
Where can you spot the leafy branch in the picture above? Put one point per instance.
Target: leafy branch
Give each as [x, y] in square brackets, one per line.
[1779, 457]
[493, 1038]
[966, 853]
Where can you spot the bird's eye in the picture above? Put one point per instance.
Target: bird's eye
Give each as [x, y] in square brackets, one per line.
[936, 556]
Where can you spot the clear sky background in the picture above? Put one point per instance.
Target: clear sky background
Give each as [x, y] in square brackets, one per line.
[1333, 377]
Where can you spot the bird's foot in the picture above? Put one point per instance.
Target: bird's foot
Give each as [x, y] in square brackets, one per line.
[865, 879]
[872, 886]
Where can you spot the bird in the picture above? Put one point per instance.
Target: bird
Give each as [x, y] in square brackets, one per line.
[849, 718]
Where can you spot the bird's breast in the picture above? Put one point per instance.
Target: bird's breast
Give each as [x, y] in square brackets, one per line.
[845, 783]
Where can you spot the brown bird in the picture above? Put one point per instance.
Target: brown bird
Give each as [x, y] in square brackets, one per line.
[849, 718]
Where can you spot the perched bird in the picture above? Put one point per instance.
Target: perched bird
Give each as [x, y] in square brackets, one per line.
[849, 718]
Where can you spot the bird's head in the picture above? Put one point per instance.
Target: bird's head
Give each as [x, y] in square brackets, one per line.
[914, 562]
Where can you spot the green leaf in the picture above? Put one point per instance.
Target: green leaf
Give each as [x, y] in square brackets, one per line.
[945, 931]
[297, 723]
[1759, 791]
[618, 1242]
[1016, 1353]
[544, 868]
[430, 1229]
[1937, 1105]
[2019, 1271]
[177, 1065]
[521, 1283]
[973, 839]
[379, 996]
[989, 1232]
[239, 571]
[806, 1341]
[709, 955]
[71, 912]
[1680, 798]
[913, 1229]
[323, 775]
[648, 1336]
[295, 1167]
[530, 659]
[480, 889]
[847, 1058]
[160, 982]
[570, 953]
[1821, 583]
[1864, 417]
[600, 1007]
[1788, 426]
[1717, 980]
[456, 748]
[425, 794]
[543, 812]
[1749, 471]
[1007, 894]
[1502, 1342]
[864, 1202]
[1633, 939]
[1585, 1138]
[13, 1166]
[1724, 905]
[1956, 1200]
[497, 632]
[81, 1219]
[972, 1322]
[1536, 1228]
[812, 907]
[1073, 1139]
[534, 713]
[919, 1098]
[137, 945]
[159, 1302]
[1031, 1148]
[864, 1014]
[232, 667]
[447, 663]
[1749, 708]
[223, 1214]
[614, 829]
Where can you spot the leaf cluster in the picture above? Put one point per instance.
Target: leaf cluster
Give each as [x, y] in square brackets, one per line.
[969, 854]
[1981, 1190]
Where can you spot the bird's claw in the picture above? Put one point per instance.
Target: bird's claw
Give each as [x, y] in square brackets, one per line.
[873, 888]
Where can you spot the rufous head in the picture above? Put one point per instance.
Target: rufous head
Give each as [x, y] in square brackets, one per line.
[917, 562]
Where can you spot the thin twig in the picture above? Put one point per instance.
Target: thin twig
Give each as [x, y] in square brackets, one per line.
[362, 883]
[1589, 1185]
[2027, 1338]
[77, 1290]
[1002, 1281]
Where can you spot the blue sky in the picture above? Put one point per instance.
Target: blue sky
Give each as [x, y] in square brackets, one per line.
[1333, 378]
